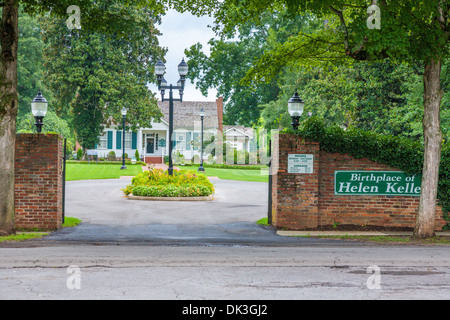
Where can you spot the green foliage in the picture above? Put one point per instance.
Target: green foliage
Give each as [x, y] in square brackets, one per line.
[383, 96]
[171, 191]
[229, 62]
[158, 183]
[52, 123]
[398, 152]
[93, 75]
[79, 154]
[30, 64]
[111, 156]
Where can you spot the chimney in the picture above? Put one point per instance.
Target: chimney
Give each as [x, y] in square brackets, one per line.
[219, 103]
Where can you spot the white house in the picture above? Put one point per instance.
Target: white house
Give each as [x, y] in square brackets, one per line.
[152, 143]
[239, 137]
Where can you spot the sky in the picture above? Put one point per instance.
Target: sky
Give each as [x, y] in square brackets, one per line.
[179, 32]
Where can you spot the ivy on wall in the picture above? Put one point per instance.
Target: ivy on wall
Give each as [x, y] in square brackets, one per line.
[398, 152]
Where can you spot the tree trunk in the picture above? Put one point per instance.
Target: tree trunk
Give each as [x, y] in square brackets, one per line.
[425, 224]
[8, 112]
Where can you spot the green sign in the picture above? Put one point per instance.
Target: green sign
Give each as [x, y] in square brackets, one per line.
[162, 143]
[376, 183]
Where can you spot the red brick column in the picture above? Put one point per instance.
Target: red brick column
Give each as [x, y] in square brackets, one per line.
[38, 181]
[295, 197]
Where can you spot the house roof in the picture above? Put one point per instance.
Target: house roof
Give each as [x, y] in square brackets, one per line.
[186, 113]
[241, 129]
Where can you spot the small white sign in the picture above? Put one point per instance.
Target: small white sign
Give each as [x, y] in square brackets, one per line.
[301, 163]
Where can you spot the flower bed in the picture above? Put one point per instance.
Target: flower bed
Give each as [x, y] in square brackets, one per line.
[157, 183]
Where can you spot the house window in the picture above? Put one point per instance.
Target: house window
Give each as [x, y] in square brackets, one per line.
[180, 138]
[103, 143]
[128, 138]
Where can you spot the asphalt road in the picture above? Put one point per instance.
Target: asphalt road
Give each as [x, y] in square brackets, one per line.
[206, 251]
[108, 217]
[120, 272]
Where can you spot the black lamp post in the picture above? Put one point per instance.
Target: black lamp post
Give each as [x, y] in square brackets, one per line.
[124, 114]
[160, 69]
[295, 108]
[201, 169]
[39, 109]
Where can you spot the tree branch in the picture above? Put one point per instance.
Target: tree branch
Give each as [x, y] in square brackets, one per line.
[341, 18]
[355, 52]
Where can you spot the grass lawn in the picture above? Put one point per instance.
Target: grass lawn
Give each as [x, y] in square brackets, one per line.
[232, 174]
[76, 171]
[22, 236]
[71, 222]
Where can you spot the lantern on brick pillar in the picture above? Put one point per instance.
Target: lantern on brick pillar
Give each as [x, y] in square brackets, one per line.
[295, 108]
[39, 109]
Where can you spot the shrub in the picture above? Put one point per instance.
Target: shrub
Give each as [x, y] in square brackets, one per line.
[79, 154]
[158, 183]
[171, 191]
[111, 156]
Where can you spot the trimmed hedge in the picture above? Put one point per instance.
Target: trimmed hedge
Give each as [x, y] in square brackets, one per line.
[116, 163]
[158, 183]
[398, 152]
[230, 166]
[171, 191]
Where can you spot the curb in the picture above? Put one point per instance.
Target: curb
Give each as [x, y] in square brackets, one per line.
[209, 198]
[350, 233]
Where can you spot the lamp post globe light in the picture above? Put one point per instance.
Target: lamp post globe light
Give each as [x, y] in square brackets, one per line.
[295, 108]
[160, 70]
[39, 107]
[124, 115]
[201, 169]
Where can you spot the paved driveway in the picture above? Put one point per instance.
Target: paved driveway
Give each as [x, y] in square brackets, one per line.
[102, 202]
[109, 217]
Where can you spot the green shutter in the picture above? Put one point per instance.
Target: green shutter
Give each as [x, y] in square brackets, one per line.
[134, 141]
[119, 140]
[110, 140]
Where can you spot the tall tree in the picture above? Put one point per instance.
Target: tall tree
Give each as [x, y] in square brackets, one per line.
[94, 17]
[94, 75]
[30, 63]
[232, 56]
[380, 96]
[409, 30]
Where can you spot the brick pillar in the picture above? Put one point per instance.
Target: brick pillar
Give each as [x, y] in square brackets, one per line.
[38, 181]
[295, 203]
